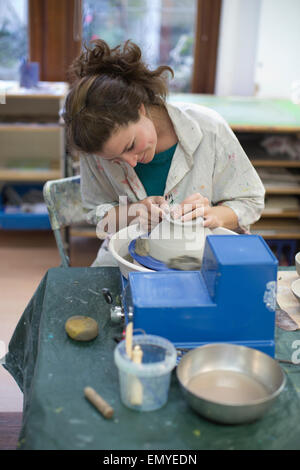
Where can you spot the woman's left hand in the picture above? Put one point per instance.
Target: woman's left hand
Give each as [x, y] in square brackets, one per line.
[195, 206]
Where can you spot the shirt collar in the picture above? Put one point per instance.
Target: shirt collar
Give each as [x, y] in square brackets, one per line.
[187, 130]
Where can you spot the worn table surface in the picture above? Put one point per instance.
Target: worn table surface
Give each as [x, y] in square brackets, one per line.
[52, 370]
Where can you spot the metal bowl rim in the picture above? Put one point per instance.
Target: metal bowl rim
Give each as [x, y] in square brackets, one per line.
[260, 401]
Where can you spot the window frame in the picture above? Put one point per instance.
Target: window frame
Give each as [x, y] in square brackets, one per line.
[51, 36]
[55, 39]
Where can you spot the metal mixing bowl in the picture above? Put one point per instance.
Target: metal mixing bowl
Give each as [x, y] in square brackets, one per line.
[230, 384]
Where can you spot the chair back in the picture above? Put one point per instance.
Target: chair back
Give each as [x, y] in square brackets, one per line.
[64, 203]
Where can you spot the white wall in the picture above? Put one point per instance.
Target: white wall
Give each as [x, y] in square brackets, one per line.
[259, 47]
[278, 52]
[237, 47]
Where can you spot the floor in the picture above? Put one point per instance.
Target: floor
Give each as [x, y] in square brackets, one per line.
[25, 258]
[10, 426]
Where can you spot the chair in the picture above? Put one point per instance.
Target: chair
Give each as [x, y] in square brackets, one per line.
[64, 204]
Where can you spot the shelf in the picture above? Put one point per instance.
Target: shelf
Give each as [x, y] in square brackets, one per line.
[275, 163]
[253, 146]
[29, 175]
[24, 221]
[52, 90]
[32, 143]
[89, 232]
[280, 213]
[263, 129]
[33, 104]
[19, 213]
[277, 228]
[270, 234]
[29, 127]
[288, 190]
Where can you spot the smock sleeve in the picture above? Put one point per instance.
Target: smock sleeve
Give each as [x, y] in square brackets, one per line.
[97, 193]
[236, 183]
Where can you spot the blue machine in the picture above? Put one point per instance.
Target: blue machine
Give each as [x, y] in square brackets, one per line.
[231, 299]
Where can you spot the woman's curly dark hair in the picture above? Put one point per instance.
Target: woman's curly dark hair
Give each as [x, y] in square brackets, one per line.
[108, 87]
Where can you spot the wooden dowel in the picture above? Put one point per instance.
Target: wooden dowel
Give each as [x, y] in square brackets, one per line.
[105, 409]
[128, 339]
[136, 385]
[137, 354]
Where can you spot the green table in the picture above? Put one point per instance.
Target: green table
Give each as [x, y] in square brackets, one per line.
[52, 370]
[248, 113]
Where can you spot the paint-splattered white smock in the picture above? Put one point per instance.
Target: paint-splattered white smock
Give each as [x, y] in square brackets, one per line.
[208, 159]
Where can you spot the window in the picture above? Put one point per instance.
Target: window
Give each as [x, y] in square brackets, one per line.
[13, 37]
[164, 30]
[183, 34]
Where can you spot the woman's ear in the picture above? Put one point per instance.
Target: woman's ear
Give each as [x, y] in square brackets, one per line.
[142, 109]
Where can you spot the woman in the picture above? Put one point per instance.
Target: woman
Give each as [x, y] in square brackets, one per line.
[140, 153]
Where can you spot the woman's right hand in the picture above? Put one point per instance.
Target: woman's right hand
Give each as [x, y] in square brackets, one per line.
[147, 213]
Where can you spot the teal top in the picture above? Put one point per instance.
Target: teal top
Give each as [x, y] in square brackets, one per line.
[154, 174]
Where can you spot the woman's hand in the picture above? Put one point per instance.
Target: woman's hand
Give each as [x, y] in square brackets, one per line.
[192, 207]
[148, 212]
[197, 205]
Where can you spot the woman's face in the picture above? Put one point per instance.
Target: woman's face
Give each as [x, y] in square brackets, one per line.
[132, 144]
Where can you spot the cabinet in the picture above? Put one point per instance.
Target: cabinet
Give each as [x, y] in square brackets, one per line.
[280, 174]
[269, 132]
[32, 142]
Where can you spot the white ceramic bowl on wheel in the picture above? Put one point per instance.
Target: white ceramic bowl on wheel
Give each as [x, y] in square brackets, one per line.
[120, 241]
[118, 247]
[172, 238]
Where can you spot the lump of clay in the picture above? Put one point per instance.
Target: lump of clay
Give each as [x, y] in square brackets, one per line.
[185, 263]
[142, 246]
[81, 328]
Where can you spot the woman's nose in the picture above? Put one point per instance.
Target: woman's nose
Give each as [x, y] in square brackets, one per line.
[130, 158]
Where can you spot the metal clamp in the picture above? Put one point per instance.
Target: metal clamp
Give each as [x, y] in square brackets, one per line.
[116, 314]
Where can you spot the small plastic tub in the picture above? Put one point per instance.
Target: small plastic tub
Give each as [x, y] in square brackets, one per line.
[145, 386]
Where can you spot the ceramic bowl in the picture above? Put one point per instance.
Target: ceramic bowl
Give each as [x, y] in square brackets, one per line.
[172, 238]
[118, 247]
[230, 384]
[296, 288]
[297, 263]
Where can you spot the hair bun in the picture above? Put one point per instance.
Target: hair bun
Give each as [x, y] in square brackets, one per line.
[101, 59]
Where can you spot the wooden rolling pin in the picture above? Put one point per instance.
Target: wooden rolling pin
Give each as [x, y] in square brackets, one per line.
[105, 409]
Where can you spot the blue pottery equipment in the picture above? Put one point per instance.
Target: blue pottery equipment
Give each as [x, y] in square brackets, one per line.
[231, 299]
